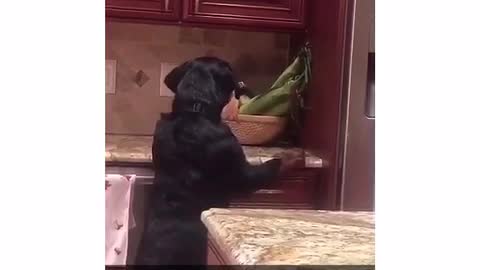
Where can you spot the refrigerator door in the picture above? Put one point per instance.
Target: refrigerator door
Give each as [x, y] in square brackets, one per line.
[358, 174]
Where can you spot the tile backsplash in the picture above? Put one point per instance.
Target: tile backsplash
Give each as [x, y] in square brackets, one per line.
[140, 49]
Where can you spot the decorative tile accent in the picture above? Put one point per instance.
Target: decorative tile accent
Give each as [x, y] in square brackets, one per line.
[141, 78]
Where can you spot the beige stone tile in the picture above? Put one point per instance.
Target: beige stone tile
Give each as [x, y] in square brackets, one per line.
[188, 35]
[133, 109]
[214, 37]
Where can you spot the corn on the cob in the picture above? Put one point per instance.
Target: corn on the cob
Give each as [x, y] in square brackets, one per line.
[276, 101]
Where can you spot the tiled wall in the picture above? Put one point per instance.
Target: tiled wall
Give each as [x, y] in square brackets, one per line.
[257, 58]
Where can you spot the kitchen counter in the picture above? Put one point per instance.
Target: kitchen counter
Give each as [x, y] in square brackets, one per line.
[137, 149]
[292, 237]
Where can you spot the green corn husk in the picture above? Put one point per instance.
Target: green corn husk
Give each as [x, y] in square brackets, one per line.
[243, 100]
[277, 100]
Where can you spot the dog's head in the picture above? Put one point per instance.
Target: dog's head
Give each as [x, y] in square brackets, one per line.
[206, 80]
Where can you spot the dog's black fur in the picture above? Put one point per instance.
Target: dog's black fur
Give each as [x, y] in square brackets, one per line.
[198, 164]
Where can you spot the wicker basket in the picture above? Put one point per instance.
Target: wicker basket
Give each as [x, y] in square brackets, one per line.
[257, 129]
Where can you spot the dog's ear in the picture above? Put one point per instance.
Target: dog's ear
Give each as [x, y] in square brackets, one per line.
[176, 75]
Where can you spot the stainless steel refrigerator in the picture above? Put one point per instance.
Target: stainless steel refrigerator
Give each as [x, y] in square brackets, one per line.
[357, 191]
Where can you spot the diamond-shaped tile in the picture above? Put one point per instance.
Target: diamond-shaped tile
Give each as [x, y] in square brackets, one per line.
[141, 78]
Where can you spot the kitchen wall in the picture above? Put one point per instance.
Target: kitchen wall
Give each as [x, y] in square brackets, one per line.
[257, 58]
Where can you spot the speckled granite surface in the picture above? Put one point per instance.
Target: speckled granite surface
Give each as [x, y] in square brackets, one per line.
[119, 148]
[293, 237]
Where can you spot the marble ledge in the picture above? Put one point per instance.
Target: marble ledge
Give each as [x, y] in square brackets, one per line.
[137, 149]
[293, 237]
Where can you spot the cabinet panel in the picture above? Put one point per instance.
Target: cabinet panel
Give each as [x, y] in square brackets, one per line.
[265, 13]
[214, 254]
[329, 34]
[297, 190]
[144, 9]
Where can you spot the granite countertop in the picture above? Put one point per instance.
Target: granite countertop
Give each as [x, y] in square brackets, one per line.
[137, 149]
[293, 237]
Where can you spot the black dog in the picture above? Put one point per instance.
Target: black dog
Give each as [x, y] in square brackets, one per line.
[198, 164]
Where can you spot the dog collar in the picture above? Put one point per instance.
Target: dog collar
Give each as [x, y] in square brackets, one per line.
[199, 108]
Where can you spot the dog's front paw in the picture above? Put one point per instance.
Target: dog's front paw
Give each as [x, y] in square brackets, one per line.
[290, 160]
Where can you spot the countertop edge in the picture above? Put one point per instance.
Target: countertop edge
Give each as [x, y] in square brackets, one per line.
[215, 237]
[137, 149]
[222, 240]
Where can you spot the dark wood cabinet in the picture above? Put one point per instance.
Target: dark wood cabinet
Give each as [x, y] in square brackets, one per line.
[151, 10]
[255, 13]
[281, 15]
[329, 34]
[215, 255]
[336, 127]
[297, 190]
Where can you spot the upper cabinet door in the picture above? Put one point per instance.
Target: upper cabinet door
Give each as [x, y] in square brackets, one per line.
[144, 9]
[278, 14]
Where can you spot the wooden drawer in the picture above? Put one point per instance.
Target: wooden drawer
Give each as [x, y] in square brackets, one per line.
[296, 191]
